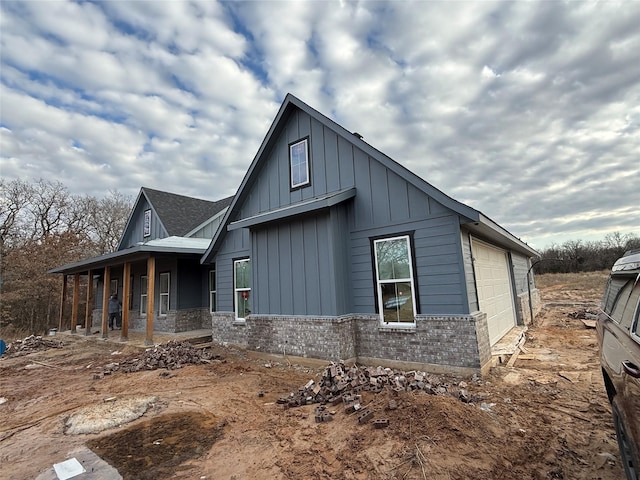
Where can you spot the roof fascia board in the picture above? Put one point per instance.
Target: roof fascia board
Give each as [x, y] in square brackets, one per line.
[388, 162]
[490, 228]
[299, 208]
[222, 228]
[133, 212]
[288, 104]
[135, 253]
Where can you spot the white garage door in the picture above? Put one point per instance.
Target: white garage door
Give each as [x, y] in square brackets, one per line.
[494, 288]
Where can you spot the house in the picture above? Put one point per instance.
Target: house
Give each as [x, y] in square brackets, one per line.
[164, 239]
[332, 250]
[329, 250]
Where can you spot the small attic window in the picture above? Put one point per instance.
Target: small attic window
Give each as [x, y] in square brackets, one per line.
[147, 223]
[299, 163]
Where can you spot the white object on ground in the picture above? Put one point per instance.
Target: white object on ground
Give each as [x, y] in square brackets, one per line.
[68, 469]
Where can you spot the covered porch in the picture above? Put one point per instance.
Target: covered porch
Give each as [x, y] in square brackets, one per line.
[144, 309]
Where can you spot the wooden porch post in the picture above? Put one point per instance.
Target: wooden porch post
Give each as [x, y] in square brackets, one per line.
[151, 286]
[62, 298]
[126, 287]
[105, 302]
[74, 305]
[88, 314]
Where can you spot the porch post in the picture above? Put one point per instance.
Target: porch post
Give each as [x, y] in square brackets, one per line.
[126, 287]
[105, 302]
[151, 286]
[62, 298]
[74, 305]
[88, 313]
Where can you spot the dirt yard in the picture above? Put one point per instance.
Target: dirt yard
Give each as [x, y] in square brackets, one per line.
[545, 417]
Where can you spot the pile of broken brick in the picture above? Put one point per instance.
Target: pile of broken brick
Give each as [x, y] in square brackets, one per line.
[170, 355]
[33, 343]
[342, 385]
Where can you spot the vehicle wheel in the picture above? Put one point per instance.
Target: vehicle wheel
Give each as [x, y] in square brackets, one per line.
[629, 463]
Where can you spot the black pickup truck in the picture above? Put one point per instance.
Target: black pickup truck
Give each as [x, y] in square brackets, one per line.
[618, 330]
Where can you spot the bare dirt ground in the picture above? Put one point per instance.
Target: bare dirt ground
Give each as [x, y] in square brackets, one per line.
[546, 417]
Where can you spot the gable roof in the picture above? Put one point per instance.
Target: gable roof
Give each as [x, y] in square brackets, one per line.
[474, 219]
[180, 214]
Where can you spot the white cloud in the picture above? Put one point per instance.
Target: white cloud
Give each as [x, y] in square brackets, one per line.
[527, 111]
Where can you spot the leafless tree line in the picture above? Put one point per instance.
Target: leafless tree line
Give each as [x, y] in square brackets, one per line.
[42, 226]
[578, 256]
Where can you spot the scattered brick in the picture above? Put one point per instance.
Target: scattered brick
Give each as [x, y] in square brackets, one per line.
[341, 383]
[32, 343]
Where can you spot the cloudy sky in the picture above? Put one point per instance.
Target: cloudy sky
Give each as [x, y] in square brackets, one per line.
[526, 111]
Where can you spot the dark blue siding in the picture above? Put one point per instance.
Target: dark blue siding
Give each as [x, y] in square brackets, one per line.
[135, 228]
[294, 269]
[321, 264]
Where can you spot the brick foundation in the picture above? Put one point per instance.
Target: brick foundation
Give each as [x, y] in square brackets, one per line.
[457, 343]
[174, 322]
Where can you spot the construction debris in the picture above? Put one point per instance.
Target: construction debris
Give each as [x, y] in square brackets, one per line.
[31, 344]
[170, 355]
[342, 384]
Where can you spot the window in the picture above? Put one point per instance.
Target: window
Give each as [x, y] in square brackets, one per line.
[164, 294]
[621, 301]
[143, 295]
[242, 291]
[147, 223]
[131, 292]
[212, 289]
[635, 329]
[632, 306]
[299, 163]
[394, 280]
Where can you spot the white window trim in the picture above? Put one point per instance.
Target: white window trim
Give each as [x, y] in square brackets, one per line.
[146, 228]
[212, 290]
[111, 289]
[143, 296]
[307, 180]
[165, 294]
[379, 282]
[236, 290]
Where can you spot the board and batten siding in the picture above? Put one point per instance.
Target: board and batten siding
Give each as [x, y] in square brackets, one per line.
[336, 268]
[292, 265]
[135, 229]
[234, 246]
[332, 167]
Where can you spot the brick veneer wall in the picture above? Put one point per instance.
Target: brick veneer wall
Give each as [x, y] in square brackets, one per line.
[447, 343]
[225, 329]
[455, 341]
[330, 338]
[175, 321]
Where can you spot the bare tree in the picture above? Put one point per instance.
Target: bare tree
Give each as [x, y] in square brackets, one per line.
[14, 197]
[108, 220]
[43, 226]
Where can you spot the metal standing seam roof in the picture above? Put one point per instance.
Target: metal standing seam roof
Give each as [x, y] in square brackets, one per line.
[174, 245]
